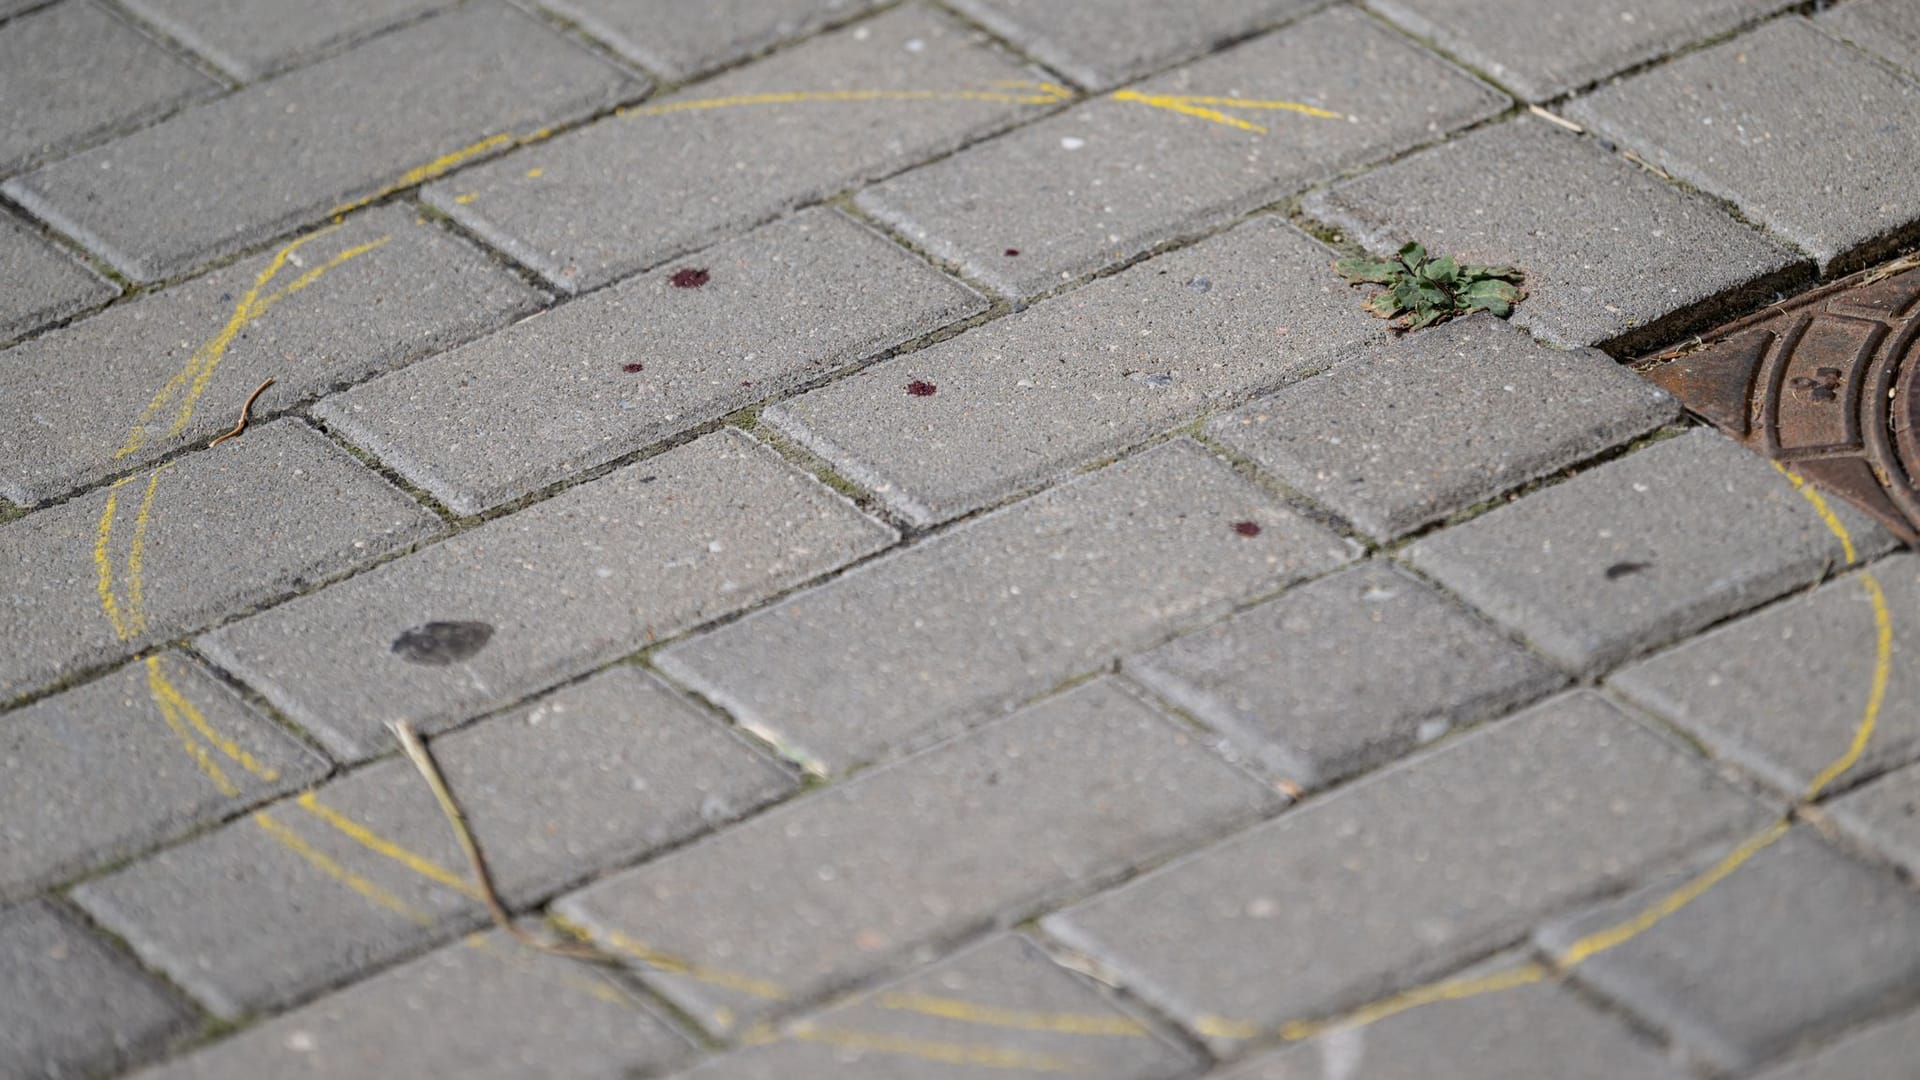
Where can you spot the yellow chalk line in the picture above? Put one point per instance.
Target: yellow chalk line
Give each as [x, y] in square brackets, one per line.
[670, 964]
[950, 1053]
[1051, 96]
[1673, 902]
[325, 863]
[968, 1012]
[165, 693]
[1185, 108]
[420, 174]
[380, 845]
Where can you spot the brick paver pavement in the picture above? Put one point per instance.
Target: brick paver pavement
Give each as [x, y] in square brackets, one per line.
[910, 563]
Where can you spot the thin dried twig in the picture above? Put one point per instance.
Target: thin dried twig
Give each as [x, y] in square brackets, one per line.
[1897, 266]
[1555, 118]
[246, 410]
[1645, 164]
[422, 758]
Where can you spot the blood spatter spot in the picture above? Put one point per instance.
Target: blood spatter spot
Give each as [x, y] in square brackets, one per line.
[437, 644]
[633, 369]
[690, 278]
[1011, 252]
[921, 388]
[1625, 569]
[1247, 528]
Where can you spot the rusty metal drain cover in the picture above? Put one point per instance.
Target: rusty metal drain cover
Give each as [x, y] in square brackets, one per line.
[1827, 384]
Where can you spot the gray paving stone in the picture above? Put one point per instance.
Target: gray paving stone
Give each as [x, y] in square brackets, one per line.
[297, 507]
[1338, 676]
[863, 875]
[1002, 1005]
[1885, 815]
[1804, 134]
[1506, 1034]
[1399, 877]
[773, 315]
[659, 180]
[1782, 693]
[1440, 420]
[70, 1006]
[1798, 943]
[115, 740]
[1112, 178]
[71, 400]
[588, 779]
[1102, 43]
[1613, 256]
[252, 38]
[42, 283]
[73, 72]
[557, 589]
[1888, 27]
[981, 618]
[483, 1008]
[1542, 50]
[1025, 400]
[167, 198]
[1879, 1051]
[680, 43]
[1642, 551]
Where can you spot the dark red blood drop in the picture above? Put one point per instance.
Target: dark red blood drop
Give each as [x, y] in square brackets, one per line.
[633, 369]
[1246, 528]
[1012, 252]
[921, 389]
[690, 278]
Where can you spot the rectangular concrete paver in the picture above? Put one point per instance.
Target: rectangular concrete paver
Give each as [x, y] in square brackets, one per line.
[253, 38]
[73, 72]
[856, 878]
[167, 199]
[1890, 28]
[1544, 48]
[69, 1004]
[1644, 550]
[1001, 1005]
[1885, 816]
[1798, 943]
[1101, 43]
[1109, 179]
[1872, 1054]
[1524, 1032]
[1441, 420]
[106, 393]
[366, 868]
[1613, 256]
[1343, 674]
[620, 369]
[482, 1008]
[1804, 134]
[129, 744]
[633, 191]
[40, 283]
[981, 618]
[1781, 694]
[682, 42]
[95, 579]
[1401, 876]
[554, 590]
[1025, 400]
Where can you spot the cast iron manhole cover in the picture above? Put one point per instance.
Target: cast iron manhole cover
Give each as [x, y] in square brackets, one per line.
[1827, 384]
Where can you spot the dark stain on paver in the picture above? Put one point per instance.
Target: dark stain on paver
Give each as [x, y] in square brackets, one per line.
[438, 644]
[921, 388]
[1625, 569]
[690, 278]
[1826, 384]
[1247, 528]
[633, 368]
[1011, 252]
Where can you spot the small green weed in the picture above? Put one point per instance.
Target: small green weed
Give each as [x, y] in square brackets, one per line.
[1419, 291]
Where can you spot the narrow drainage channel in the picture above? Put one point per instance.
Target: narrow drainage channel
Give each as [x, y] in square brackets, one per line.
[1827, 384]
